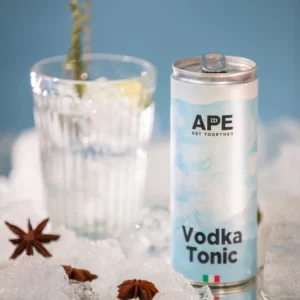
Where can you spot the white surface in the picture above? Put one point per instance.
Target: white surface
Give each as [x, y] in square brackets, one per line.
[34, 278]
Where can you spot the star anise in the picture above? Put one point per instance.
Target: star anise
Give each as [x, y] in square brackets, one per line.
[79, 274]
[34, 238]
[133, 289]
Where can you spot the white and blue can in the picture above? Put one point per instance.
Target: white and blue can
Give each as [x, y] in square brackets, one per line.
[214, 112]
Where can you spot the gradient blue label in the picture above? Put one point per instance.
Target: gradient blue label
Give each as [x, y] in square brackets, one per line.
[214, 205]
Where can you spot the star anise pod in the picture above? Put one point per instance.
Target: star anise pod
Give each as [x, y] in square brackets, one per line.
[79, 274]
[34, 238]
[137, 289]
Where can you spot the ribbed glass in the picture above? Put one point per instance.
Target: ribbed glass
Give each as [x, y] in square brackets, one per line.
[93, 148]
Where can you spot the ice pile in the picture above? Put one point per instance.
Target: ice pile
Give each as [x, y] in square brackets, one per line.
[25, 180]
[150, 236]
[33, 277]
[170, 284]
[282, 264]
[282, 272]
[36, 278]
[80, 291]
[279, 200]
[202, 293]
[279, 178]
[106, 259]
[98, 257]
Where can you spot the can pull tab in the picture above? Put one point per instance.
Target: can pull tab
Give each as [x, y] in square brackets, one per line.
[213, 63]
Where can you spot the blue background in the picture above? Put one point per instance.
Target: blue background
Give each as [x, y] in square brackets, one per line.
[160, 31]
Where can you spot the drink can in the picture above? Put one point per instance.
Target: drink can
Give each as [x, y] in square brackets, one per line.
[246, 291]
[214, 110]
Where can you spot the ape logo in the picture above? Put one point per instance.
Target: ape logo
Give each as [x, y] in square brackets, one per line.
[225, 122]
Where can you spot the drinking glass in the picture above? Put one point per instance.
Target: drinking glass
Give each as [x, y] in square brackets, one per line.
[93, 143]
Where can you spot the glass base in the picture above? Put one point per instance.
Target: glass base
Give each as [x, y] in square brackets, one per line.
[96, 196]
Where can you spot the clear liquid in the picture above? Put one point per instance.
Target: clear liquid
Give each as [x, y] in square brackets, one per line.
[93, 163]
[95, 195]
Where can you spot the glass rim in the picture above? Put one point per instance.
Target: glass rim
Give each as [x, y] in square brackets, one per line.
[149, 68]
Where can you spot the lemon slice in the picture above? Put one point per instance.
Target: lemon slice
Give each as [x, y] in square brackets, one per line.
[134, 92]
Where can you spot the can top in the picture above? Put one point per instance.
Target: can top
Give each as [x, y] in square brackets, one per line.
[215, 68]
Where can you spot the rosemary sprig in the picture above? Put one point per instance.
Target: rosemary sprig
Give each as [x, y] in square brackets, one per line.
[88, 35]
[75, 66]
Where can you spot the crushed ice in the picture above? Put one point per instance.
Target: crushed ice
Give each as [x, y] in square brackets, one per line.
[36, 278]
[282, 268]
[44, 279]
[150, 235]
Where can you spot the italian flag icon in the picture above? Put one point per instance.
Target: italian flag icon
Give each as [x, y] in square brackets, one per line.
[211, 278]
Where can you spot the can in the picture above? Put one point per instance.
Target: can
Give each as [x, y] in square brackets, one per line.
[214, 112]
[247, 291]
